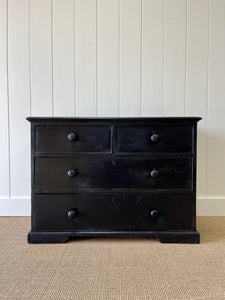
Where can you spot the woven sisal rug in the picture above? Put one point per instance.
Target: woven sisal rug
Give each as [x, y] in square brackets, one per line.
[112, 268]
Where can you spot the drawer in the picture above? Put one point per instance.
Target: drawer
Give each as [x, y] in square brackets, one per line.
[97, 172]
[158, 139]
[70, 139]
[147, 212]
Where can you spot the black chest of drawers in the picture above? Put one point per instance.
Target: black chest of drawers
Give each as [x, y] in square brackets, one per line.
[113, 177]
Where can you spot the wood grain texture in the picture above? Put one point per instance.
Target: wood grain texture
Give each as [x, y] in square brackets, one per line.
[106, 173]
[122, 214]
[87, 139]
[105, 193]
[4, 113]
[172, 139]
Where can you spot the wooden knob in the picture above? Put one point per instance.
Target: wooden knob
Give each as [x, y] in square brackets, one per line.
[72, 213]
[72, 136]
[72, 173]
[154, 138]
[154, 213]
[154, 173]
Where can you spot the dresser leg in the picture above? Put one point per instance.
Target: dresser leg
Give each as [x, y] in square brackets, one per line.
[189, 237]
[47, 237]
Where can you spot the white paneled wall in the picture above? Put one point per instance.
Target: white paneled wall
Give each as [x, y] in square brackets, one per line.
[86, 57]
[152, 65]
[111, 58]
[108, 58]
[4, 109]
[41, 57]
[63, 57]
[18, 97]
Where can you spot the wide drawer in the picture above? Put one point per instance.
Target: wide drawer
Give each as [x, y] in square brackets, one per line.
[154, 139]
[69, 212]
[90, 173]
[70, 139]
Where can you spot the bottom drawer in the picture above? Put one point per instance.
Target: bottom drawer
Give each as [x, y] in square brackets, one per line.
[145, 212]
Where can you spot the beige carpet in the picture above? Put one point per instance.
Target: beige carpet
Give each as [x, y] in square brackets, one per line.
[112, 268]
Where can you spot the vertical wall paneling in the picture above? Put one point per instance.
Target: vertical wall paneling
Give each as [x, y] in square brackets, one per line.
[216, 108]
[108, 71]
[19, 96]
[174, 68]
[4, 130]
[41, 57]
[152, 58]
[63, 57]
[130, 57]
[197, 79]
[85, 57]
[111, 58]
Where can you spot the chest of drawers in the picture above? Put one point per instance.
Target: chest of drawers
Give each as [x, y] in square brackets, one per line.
[113, 177]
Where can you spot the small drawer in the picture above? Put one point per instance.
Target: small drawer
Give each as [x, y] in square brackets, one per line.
[146, 212]
[70, 139]
[158, 139]
[89, 173]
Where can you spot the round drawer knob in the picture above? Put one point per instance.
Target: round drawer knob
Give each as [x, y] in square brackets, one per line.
[154, 173]
[72, 173]
[71, 136]
[154, 213]
[154, 138]
[72, 213]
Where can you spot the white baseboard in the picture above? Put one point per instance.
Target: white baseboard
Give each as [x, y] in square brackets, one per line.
[211, 206]
[20, 206]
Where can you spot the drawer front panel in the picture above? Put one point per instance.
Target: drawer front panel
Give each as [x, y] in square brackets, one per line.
[108, 213]
[70, 139]
[106, 173]
[158, 139]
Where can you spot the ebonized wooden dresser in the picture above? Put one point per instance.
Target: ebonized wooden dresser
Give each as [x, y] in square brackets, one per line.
[113, 177]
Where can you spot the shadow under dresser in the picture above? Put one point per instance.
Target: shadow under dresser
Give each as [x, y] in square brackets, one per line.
[113, 177]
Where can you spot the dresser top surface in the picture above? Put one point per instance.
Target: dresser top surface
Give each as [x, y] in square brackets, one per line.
[117, 119]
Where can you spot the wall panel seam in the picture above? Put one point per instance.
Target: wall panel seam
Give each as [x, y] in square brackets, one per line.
[163, 58]
[119, 65]
[74, 60]
[96, 63]
[186, 60]
[141, 58]
[8, 104]
[207, 100]
[52, 66]
[30, 64]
